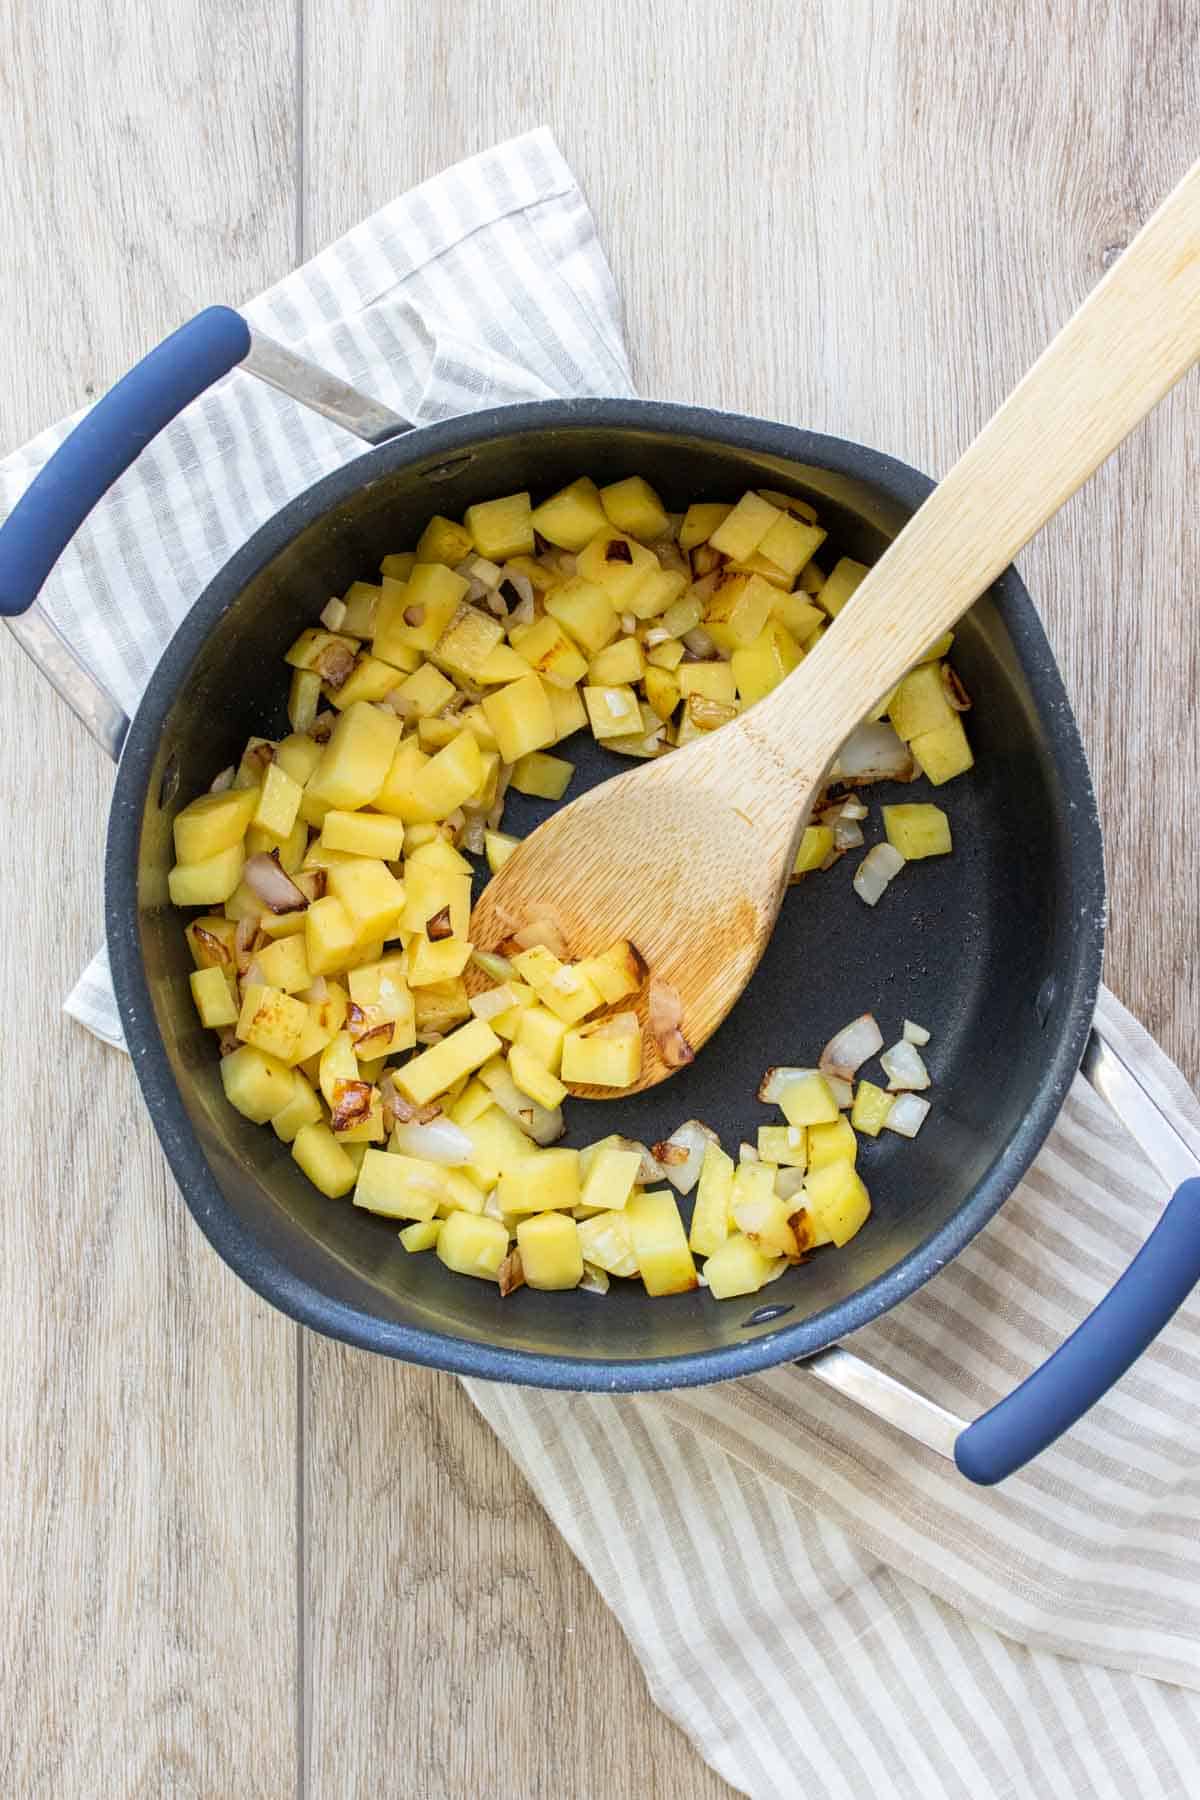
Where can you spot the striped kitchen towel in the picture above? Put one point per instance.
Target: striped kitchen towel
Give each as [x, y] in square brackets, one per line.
[825, 1608]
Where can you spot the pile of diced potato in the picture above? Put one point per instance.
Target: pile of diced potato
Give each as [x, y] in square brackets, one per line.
[333, 949]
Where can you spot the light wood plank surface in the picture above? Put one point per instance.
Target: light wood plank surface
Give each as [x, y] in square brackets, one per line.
[863, 215]
[147, 1400]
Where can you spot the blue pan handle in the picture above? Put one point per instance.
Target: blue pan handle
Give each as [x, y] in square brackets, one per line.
[106, 442]
[1096, 1355]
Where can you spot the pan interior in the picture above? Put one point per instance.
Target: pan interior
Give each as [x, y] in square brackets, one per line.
[972, 946]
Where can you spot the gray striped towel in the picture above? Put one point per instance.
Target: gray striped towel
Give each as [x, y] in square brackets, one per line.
[824, 1607]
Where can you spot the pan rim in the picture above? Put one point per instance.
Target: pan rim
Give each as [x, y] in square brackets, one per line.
[259, 1267]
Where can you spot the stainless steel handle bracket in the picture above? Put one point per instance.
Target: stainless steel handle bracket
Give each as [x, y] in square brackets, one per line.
[92, 705]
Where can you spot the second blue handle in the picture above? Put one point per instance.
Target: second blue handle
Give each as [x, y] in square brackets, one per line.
[106, 442]
[1096, 1355]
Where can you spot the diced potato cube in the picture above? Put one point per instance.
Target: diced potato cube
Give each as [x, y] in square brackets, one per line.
[622, 663]
[761, 665]
[425, 692]
[547, 1180]
[396, 796]
[917, 831]
[272, 1021]
[940, 648]
[633, 507]
[371, 895]
[534, 1078]
[327, 1165]
[355, 762]
[545, 777]
[572, 517]
[831, 1143]
[652, 597]
[211, 941]
[809, 1101]
[278, 802]
[560, 986]
[499, 665]
[474, 1100]
[662, 691]
[741, 533]
[471, 1244]
[372, 679]
[612, 711]
[501, 528]
[545, 646]
[498, 846]
[840, 583]
[616, 972]
[871, 1107]
[441, 960]
[799, 617]
[920, 703]
[464, 1051]
[289, 850]
[703, 714]
[413, 614]
[611, 1177]
[617, 566]
[550, 1254]
[784, 1145]
[214, 823]
[422, 1235]
[330, 936]
[463, 1195]
[401, 1187]
[541, 1032]
[521, 717]
[790, 543]
[605, 1241]
[284, 964]
[441, 1005]
[497, 1144]
[738, 611]
[447, 780]
[607, 1054]
[683, 616]
[313, 646]
[738, 1266]
[213, 997]
[304, 1108]
[660, 1242]
[364, 834]
[442, 541]
[837, 1200]
[700, 521]
[304, 698]
[712, 679]
[361, 601]
[586, 611]
[710, 1216]
[566, 709]
[816, 843]
[756, 1209]
[943, 753]
[257, 1084]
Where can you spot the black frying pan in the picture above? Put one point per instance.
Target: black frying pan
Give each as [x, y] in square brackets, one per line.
[996, 949]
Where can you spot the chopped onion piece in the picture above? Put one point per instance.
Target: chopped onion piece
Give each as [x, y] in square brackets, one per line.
[224, 781]
[522, 613]
[403, 705]
[264, 877]
[493, 1002]
[629, 624]
[521, 584]
[440, 1142]
[542, 1123]
[873, 752]
[747, 1153]
[907, 1115]
[544, 932]
[692, 1139]
[510, 1274]
[904, 1068]
[700, 644]
[651, 1169]
[254, 976]
[594, 1280]
[841, 1090]
[333, 662]
[664, 1009]
[498, 967]
[846, 1052]
[853, 808]
[789, 1182]
[474, 829]
[954, 690]
[875, 871]
[333, 615]
[771, 1087]
[847, 834]
[914, 1034]
[657, 634]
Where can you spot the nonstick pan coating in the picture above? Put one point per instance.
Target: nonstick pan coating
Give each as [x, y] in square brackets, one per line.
[995, 949]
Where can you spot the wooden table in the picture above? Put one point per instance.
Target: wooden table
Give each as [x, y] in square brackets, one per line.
[241, 1560]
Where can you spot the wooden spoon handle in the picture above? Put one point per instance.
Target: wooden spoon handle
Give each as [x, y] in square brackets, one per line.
[1132, 339]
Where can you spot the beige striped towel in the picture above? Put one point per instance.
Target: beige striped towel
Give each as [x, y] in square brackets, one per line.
[827, 1609]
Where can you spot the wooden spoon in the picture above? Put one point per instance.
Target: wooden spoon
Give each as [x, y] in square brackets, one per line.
[689, 855]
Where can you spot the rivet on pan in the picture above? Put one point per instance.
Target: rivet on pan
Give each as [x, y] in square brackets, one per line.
[168, 787]
[765, 1314]
[443, 471]
[1044, 1003]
